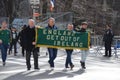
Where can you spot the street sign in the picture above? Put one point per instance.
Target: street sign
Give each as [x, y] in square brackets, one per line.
[35, 2]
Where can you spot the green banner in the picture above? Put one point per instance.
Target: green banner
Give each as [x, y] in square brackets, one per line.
[62, 39]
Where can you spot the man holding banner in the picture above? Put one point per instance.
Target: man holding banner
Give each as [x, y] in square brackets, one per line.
[69, 51]
[30, 45]
[84, 52]
[52, 51]
[67, 39]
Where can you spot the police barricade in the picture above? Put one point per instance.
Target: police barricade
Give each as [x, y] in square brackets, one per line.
[97, 40]
[116, 45]
[97, 43]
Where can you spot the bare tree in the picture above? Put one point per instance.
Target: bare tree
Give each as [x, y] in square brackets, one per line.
[68, 5]
[44, 7]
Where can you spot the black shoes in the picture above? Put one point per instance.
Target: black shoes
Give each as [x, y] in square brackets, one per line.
[107, 55]
[4, 63]
[71, 67]
[37, 68]
[83, 65]
[28, 69]
[34, 68]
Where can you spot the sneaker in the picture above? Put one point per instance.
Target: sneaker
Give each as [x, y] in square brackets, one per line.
[52, 68]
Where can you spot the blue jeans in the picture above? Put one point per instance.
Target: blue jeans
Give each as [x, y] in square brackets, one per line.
[68, 58]
[4, 48]
[52, 56]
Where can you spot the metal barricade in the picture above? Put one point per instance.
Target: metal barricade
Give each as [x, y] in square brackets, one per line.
[116, 45]
[97, 43]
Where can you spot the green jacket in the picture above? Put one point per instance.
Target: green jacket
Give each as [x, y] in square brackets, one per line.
[5, 36]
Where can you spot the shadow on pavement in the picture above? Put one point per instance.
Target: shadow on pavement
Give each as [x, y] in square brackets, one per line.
[45, 75]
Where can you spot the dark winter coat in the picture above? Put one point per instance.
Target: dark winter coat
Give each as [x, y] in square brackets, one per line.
[82, 30]
[53, 28]
[108, 36]
[21, 37]
[29, 38]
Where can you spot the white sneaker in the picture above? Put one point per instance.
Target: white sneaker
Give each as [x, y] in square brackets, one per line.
[52, 68]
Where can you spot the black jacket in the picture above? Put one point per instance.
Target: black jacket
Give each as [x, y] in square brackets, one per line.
[29, 38]
[108, 36]
[84, 30]
[53, 28]
[22, 38]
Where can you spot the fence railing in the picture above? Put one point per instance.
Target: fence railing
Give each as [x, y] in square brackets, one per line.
[97, 40]
[61, 19]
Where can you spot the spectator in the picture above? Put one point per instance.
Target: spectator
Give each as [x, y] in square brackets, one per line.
[21, 37]
[108, 38]
[13, 41]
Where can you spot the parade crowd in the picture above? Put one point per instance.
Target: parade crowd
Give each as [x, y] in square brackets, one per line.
[26, 38]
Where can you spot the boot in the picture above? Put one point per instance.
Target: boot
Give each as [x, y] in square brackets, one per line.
[4, 63]
[83, 65]
[71, 67]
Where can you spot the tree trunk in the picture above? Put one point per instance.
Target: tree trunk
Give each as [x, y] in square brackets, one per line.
[44, 7]
[68, 5]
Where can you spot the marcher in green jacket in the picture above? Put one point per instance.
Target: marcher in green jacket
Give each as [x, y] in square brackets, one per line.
[4, 41]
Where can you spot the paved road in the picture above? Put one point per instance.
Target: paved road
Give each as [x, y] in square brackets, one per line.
[98, 68]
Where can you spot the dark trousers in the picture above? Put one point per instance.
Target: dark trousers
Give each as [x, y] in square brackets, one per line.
[4, 48]
[52, 56]
[13, 43]
[107, 48]
[28, 57]
[68, 58]
[23, 51]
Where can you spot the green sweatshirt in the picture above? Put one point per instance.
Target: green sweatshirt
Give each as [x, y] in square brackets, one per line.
[5, 36]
